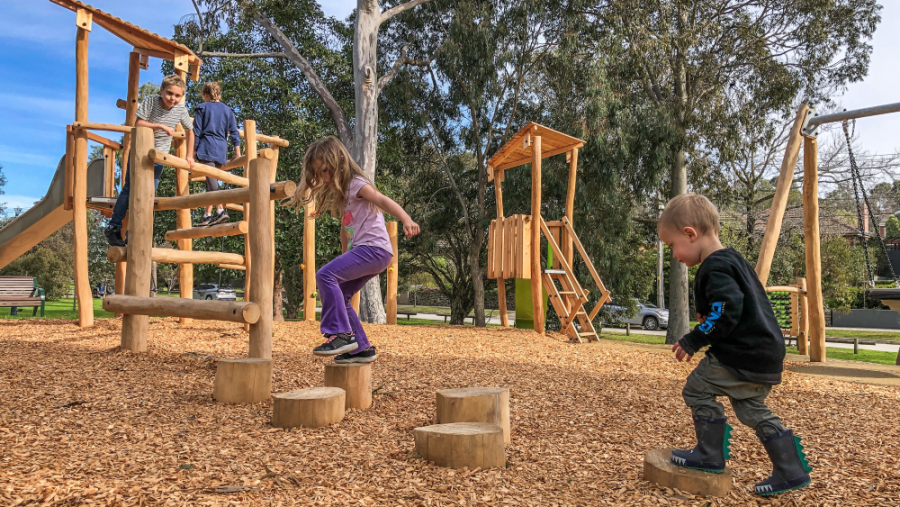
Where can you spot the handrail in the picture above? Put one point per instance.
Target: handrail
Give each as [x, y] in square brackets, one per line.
[277, 141]
[109, 127]
[198, 168]
[604, 297]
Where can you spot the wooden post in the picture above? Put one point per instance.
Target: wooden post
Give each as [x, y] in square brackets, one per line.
[134, 82]
[79, 191]
[355, 379]
[183, 187]
[569, 251]
[251, 152]
[275, 150]
[70, 168]
[309, 262]
[803, 331]
[245, 380]
[309, 408]
[463, 444]
[779, 202]
[140, 241]
[474, 404]
[261, 241]
[499, 176]
[813, 253]
[109, 162]
[391, 304]
[536, 289]
[795, 316]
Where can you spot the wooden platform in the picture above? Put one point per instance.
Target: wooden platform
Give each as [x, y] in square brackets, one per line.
[659, 470]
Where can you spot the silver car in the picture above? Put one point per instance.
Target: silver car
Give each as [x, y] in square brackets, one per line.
[210, 291]
[649, 316]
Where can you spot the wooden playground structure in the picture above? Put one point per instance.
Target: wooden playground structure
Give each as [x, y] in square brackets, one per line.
[514, 243]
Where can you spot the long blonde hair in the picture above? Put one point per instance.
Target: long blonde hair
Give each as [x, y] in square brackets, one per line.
[333, 155]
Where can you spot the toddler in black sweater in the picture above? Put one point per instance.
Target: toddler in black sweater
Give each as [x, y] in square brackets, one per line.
[746, 349]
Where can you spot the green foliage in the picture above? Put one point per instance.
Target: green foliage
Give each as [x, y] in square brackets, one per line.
[53, 270]
[892, 229]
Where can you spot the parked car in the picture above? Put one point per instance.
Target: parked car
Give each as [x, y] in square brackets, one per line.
[649, 316]
[212, 291]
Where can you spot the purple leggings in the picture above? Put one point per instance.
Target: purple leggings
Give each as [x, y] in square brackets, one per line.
[339, 280]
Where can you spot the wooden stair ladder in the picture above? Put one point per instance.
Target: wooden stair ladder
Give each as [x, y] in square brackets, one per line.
[569, 298]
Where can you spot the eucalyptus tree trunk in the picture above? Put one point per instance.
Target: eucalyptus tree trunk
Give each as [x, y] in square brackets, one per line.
[365, 131]
[679, 322]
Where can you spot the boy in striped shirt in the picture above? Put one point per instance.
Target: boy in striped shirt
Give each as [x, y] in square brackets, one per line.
[161, 113]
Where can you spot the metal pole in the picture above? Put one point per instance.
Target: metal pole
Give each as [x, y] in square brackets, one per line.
[849, 115]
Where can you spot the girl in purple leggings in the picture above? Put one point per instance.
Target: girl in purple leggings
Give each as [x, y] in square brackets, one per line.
[334, 183]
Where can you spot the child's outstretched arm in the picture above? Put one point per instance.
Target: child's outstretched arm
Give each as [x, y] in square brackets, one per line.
[726, 306]
[371, 194]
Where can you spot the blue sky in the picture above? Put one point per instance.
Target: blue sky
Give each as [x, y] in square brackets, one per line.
[37, 81]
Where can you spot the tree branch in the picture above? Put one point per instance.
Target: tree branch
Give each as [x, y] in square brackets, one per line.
[291, 53]
[403, 60]
[390, 13]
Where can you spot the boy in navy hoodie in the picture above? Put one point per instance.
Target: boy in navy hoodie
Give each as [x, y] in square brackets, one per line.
[746, 349]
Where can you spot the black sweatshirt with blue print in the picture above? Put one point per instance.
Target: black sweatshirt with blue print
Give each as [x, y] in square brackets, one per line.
[737, 321]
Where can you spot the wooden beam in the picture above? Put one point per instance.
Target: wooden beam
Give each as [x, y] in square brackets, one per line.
[572, 159]
[237, 267]
[803, 335]
[122, 104]
[162, 55]
[250, 149]
[213, 231]
[550, 153]
[497, 252]
[108, 143]
[183, 216]
[813, 250]
[109, 162]
[70, 169]
[144, 62]
[227, 311]
[309, 262]
[234, 207]
[536, 289]
[181, 63]
[262, 138]
[261, 244]
[134, 76]
[198, 168]
[173, 256]
[783, 288]
[391, 303]
[779, 201]
[84, 19]
[140, 238]
[79, 189]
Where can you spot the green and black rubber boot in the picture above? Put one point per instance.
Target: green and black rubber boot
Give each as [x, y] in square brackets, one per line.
[713, 446]
[790, 469]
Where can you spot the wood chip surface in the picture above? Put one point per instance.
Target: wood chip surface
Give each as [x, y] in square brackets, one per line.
[84, 423]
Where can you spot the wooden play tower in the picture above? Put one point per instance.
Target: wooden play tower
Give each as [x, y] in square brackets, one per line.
[514, 242]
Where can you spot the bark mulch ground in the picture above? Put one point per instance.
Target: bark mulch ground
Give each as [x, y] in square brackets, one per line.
[83, 423]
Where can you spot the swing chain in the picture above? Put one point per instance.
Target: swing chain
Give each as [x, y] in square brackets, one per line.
[855, 176]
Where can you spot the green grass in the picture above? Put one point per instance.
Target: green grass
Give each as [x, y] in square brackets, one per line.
[607, 334]
[865, 356]
[862, 335]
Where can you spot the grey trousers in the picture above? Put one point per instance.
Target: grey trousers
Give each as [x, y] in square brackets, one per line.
[710, 380]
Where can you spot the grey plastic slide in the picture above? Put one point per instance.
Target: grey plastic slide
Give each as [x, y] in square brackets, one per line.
[48, 215]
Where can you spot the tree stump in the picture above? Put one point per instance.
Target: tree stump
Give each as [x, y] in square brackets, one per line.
[355, 380]
[474, 404]
[465, 444]
[243, 380]
[660, 470]
[309, 408]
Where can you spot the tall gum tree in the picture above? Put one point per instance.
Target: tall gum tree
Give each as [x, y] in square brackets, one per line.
[685, 55]
[359, 135]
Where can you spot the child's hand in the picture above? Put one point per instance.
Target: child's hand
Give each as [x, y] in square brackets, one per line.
[700, 318]
[168, 130]
[410, 228]
[680, 353]
[190, 161]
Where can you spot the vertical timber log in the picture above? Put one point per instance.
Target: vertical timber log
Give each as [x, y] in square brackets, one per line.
[140, 240]
[251, 152]
[391, 296]
[261, 241]
[183, 216]
[536, 290]
[134, 82]
[779, 202]
[499, 176]
[309, 262]
[568, 244]
[79, 191]
[813, 250]
[803, 333]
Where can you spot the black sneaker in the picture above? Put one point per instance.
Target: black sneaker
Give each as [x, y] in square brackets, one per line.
[207, 220]
[114, 236]
[219, 218]
[337, 344]
[366, 356]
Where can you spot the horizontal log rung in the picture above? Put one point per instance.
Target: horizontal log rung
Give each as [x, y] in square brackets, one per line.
[213, 231]
[229, 311]
[171, 256]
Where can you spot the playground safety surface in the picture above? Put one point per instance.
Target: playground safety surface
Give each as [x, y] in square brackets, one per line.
[83, 423]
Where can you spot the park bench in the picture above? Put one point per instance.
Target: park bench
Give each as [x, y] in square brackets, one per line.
[21, 291]
[447, 316]
[408, 314]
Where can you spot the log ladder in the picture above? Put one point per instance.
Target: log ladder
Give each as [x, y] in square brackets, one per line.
[255, 199]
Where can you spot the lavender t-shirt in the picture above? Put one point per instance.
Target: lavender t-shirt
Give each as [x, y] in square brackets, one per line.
[363, 222]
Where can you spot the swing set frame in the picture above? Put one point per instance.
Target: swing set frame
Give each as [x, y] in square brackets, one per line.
[803, 133]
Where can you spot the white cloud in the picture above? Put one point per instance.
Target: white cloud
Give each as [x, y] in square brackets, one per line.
[10, 155]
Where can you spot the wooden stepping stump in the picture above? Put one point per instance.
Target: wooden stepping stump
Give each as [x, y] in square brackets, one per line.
[474, 404]
[659, 470]
[309, 408]
[458, 445]
[243, 380]
[355, 380]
